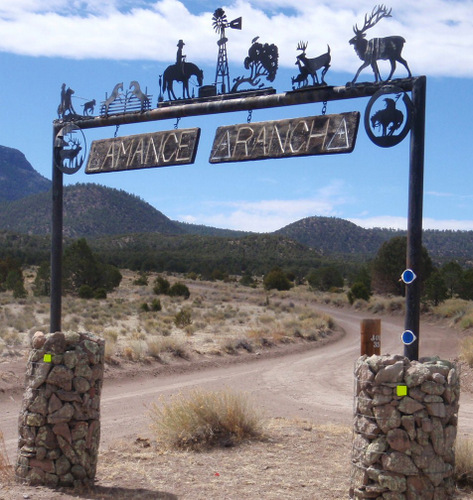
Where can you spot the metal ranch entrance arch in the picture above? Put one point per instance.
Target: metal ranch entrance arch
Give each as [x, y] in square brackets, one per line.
[223, 104]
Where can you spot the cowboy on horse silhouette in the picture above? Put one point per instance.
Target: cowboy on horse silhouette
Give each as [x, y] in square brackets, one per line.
[181, 71]
[180, 57]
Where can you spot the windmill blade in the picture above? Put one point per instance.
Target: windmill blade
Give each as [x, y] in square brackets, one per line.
[235, 24]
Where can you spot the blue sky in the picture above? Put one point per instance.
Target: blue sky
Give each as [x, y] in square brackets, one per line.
[91, 46]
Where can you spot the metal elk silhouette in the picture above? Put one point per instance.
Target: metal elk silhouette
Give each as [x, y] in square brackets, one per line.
[370, 51]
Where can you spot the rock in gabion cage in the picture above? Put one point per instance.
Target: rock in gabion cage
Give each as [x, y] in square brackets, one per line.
[405, 425]
[59, 425]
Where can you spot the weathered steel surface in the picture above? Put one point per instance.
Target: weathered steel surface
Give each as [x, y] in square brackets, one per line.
[157, 149]
[239, 102]
[313, 135]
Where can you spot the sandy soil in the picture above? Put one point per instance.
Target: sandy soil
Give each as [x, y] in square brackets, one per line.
[304, 390]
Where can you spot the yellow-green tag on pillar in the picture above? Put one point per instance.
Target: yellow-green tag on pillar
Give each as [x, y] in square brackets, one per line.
[48, 358]
[401, 390]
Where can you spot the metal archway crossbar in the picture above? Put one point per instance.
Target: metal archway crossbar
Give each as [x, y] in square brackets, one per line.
[416, 86]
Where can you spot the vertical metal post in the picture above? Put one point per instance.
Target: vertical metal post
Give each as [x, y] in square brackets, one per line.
[414, 224]
[56, 245]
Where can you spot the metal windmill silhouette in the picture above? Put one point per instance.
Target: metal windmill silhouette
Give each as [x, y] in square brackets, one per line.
[222, 75]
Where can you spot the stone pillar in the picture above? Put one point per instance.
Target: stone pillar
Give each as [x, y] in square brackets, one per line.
[59, 424]
[405, 425]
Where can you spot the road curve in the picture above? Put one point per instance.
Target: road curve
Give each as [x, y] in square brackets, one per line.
[316, 384]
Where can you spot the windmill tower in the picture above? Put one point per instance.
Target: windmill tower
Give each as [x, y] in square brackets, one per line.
[222, 75]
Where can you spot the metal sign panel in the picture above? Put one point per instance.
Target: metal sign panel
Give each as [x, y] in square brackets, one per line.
[313, 135]
[156, 149]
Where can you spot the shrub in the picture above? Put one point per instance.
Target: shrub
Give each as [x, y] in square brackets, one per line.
[276, 279]
[7, 474]
[156, 305]
[247, 280]
[142, 280]
[183, 318]
[100, 293]
[466, 350]
[358, 291]
[161, 286]
[42, 285]
[86, 292]
[179, 290]
[204, 419]
[325, 278]
[464, 461]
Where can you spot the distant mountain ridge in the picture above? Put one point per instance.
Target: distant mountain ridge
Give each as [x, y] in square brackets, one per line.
[18, 178]
[94, 211]
[90, 210]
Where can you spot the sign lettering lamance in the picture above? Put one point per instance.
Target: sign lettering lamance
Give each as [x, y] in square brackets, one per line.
[313, 135]
[157, 149]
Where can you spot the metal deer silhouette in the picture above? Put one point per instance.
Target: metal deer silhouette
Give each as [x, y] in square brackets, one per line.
[310, 66]
[370, 51]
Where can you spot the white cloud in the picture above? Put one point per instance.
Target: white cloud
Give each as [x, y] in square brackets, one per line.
[439, 33]
[270, 215]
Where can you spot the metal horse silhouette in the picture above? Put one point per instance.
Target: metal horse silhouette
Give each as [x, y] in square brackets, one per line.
[370, 51]
[309, 67]
[181, 71]
[115, 95]
[389, 119]
[140, 95]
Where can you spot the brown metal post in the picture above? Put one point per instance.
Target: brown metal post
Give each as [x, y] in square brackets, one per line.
[414, 224]
[370, 337]
[56, 245]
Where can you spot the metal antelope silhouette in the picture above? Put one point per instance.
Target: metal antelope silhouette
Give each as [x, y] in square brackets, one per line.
[370, 51]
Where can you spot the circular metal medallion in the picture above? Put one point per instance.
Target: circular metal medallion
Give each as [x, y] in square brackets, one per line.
[388, 119]
[70, 149]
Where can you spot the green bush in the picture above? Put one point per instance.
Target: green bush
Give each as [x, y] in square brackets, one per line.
[276, 279]
[42, 285]
[161, 286]
[358, 291]
[183, 318]
[325, 278]
[86, 292]
[156, 305]
[82, 267]
[179, 290]
[100, 293]
[247, 280]
[142, 280]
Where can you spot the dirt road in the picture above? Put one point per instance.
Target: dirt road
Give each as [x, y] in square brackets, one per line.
[315, 384]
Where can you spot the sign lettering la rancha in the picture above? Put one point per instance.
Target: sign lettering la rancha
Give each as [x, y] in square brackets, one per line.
[313, 135]
[157, 149]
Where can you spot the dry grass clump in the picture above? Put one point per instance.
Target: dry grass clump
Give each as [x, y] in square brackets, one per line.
[464, 461]
[466, 351]
[203, 419]
[7, 474]
[459, 311]
[157, 346]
